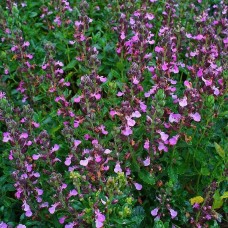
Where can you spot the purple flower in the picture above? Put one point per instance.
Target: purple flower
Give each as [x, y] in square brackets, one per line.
[154, 212]
[164, 136]
[99, 219]
[53, 208]
[117, 168]
[173, 140]
[174, 118]
[24, 136]
[19, 226]
[127, 131]
[146, 162]
[85, 162]
[62, 219]
[3, 225]
[183, 102]
[6, 137]
[130, 122]
[196, 116]
[39, 191]
[55, 148]
[147, 144]
[73, 193]
[138, 186]
[68, 160]
[173, 213]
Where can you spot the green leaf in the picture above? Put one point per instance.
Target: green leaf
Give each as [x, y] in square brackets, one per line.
[70, 65]
[205, 171]
[225, 195]
[219, 150]
[218, 202]
[146, 177]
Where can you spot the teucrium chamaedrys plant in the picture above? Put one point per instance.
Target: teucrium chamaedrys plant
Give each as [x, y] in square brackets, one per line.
[113, 113]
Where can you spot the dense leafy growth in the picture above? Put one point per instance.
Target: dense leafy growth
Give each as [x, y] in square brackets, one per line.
[113, 113]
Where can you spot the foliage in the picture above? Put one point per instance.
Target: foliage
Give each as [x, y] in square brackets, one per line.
[113, 113]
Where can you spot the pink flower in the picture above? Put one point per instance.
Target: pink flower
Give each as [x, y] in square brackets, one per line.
[28, 213]
[68, 160]
[175, 69]
[173, 140]
[53, 208]
[200, 73]
[174, 118]
[164, 136]
[164, 66]
[136, 114]
[77, 142]
[162, 147]
[99, 219]
[85, 162]
[19, 226]
[119, 94]
[173, 213]
[183, 102]
[130, 122]
[36, 156]
[135, 81]
[73, 193]
[107, 151]
[55, 148]
[147, 144]
[149, 16]
[62, 219]
[3, 225]
[24, 136]
[143, 107]
[154, 212]
[146, 162]
[6, 137]
[158, 49]
[138, 186]
[196, 116]
[39, 191]
[117, 168]
[127, 131]
[26, 44]
[77, 99]
[104, 132]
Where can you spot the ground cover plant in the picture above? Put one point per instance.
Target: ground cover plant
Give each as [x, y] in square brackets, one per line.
[113, 113]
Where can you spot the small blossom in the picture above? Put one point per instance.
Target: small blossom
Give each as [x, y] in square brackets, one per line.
[173, 140]
[19, 226]
[85, 162]
[196, 116]
[183, 102]
[6, 137]
[173, 213]
[138, 186]
[146, 162]
[147, 144]
[53, 208]
[99, 219]
[164, 136]
[117, 168]
[127, 131]
[62, 219]
[24, 136]
[154, 212]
